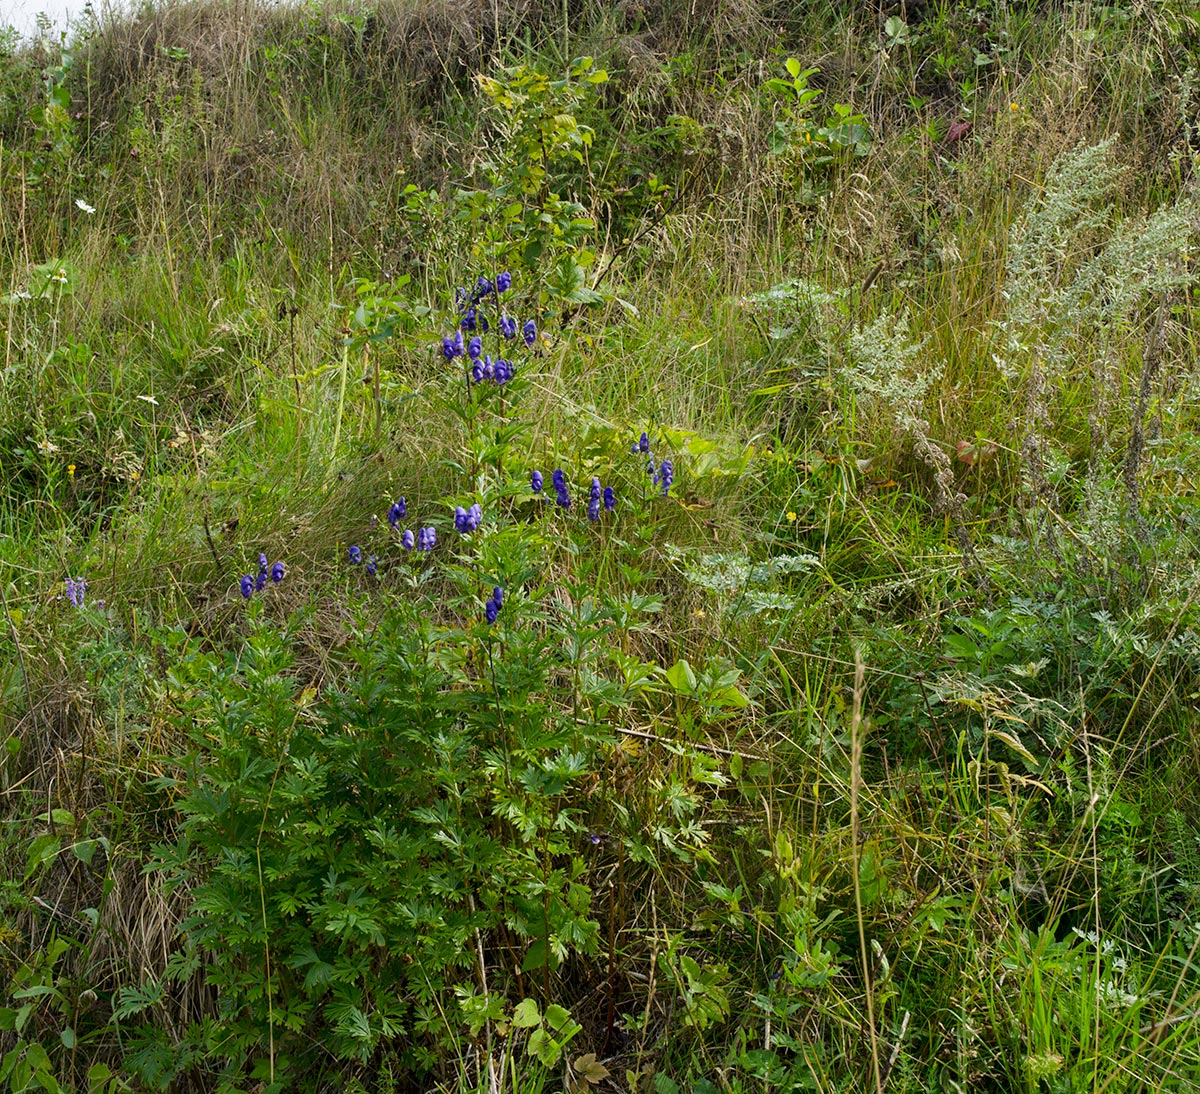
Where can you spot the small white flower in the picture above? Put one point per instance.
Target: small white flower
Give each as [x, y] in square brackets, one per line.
[149, 399]
[81, 204]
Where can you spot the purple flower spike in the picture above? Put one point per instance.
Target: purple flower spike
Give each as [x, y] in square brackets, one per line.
[508, 327]
[594, 493]
[468, 319]
[483, 286]
[503, 281]
[536, 482]
[372, 565]
[610, 499]
[490, 610]
[666, 476]
[448, 349]
[407, 540]
[427, 539]
[277, 572]
[397, 512]
[475, 347]
[594, 509]
[247, 586]
[477, 372]
[643, 445]
[529, 332]
[460, 520]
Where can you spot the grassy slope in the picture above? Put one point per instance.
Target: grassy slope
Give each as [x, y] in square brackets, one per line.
[1014, 850]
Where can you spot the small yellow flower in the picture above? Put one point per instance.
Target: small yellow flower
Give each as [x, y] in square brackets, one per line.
[791, 518]
[70, 470]
[1014, 106]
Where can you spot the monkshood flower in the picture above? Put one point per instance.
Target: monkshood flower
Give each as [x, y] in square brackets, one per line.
[260, 582]
[76, 589]
[665, 476]
[355, 555]
[536, 482]
[469, 319]
[475, 348]
[247, 586]
[482, 287]
[427, 539]
[594, 509]
[499, 371]
[642, 445]
[453, 346]
[407, 540]
[529, 332]
[277, 572]
[397, 512]
[508, 326]
[503, 282]
[492, 608]
[559, 480]
[373, 565]
[594, 492]
[467, 520]
[610, 499]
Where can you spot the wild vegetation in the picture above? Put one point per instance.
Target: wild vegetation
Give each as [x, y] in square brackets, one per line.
[637, 547]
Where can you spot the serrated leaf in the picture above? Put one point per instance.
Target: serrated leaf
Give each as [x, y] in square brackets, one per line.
[588, 1068]
[526, 1014]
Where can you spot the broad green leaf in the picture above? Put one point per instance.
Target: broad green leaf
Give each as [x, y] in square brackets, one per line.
[681, 677]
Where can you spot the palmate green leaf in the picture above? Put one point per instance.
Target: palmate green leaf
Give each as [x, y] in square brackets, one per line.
[526, 1014]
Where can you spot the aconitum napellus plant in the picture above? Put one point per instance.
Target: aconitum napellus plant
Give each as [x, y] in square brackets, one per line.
[473, 305]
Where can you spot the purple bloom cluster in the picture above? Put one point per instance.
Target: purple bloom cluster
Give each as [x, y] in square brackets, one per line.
[397, 512]
[426, 539]
[597, 495]
[469, 303]
[76, 590]
[249, 585]
[563, 498]
[467, 520]
[662, 474]
[492, 607]
[500, 371]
